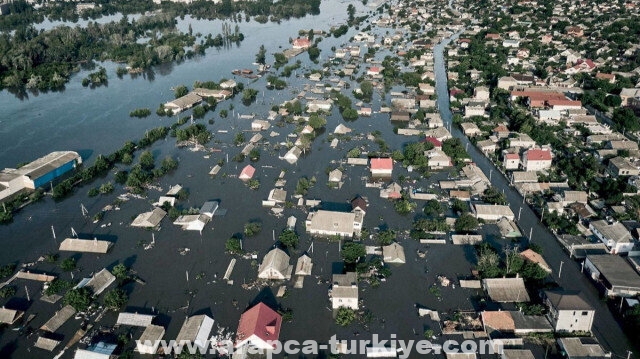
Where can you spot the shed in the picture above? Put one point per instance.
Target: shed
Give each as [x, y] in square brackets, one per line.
[195, 330]
[304, 265]
[135, 319]
[148, 342]
[247, 173]
[506, 289]
[46, 343]
[100, 281]
[58, 319]
[275, 265]
[335, 176]
[85, 245]
[393, 253]
[149, 219]
[10, 316]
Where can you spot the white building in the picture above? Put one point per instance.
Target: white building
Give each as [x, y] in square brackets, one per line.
[344, 291]
[568, 312]
[615, 236]
[275, 265]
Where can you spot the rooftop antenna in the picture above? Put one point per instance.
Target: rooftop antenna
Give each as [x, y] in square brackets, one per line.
[53, 232]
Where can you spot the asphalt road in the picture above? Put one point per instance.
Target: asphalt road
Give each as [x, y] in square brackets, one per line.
[605, 327]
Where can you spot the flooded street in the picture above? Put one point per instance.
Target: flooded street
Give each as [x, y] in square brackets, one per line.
[96, 121]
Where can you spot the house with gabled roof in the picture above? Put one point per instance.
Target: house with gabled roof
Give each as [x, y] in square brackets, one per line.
[568, 311]
[259, 328]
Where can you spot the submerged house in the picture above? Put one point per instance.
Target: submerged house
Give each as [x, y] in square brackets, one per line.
[259, 328]
[344, 291]
[195, 330]
[275, 265]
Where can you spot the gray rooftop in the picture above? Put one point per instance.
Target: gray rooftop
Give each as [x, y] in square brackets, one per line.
[58, 319]
[615, 269]
[567, 300]
[48, 163]
[506, 289]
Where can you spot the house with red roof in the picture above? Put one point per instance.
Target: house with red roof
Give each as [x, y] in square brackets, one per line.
[374, 70]
[511, 161]
[536, 160]
[381, 166]
[301, 43]
[258, 327]
[437, 144]
[247, 173]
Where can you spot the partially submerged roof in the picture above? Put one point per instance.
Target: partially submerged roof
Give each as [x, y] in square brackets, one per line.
[46, 343]
[535, 257]
[616, 270]
[582, 347]
[194, 328]
[498, 320]
[259, 321]
[506, 289]
[9, 316]
[135, 319]
[152, 333]
[304, 265]
[85, 245]
[149, 219]
[58, 319]
[393, 253]
[100, 281]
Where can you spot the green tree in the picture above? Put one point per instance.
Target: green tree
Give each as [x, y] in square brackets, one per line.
[7, 291]
[351, 252]
[625, 120]
[252, 228]
[386, 237]
[7, 270]
[147, 162]
[289, 238]
[314, 53]
[239, 139]
[120, 271]
[261, 55]
[345, 316]
[68, 264]
[492, 195]
[180, 91]
[317, 122]
[115, 299]
[433, 208]
[459, 206]
[78, 298]
[168, 164]
[233, 245]
[466, 223]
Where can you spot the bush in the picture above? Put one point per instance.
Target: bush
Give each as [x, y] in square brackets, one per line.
[78, 298]
[289, 238]
[68, 264]
[233, 245]
[115, 299]
[345, 316]
[252, 228]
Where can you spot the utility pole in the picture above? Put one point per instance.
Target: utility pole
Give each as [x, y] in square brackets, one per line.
[530, 234]
[519, 213]
[560, 271]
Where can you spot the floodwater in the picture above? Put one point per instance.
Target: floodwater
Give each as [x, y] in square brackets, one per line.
[94, 121]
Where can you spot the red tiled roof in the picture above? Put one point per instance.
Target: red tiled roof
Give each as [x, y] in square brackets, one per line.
[501, 128]
[260, 321]
[498, 320]
[248, 171]
[538, 155]
[374, 69]
[564, 102]
[512, 156]
[381, 164]
[434, 141]
[302, 42]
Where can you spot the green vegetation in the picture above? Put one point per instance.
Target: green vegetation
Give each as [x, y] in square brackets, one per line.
[454, 149]
[413, 154]
[317, 122]
[423, 227]
[433, 208]
[303, 185]
[386, 237]
[234, 245]
[466, 223]
[404, 206]
[7, 291]
[94, 79]
[7, 270]
[345, 316]
[276, 82]
[249, 96]
[239, 139]
[252, 228]
[351, 252]
[493, 196]
[78, 298]
[58, 286]
[115, 299]
[68, 264]
[289, 238]
[340, 30]
[261, 55]
[253, 184]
